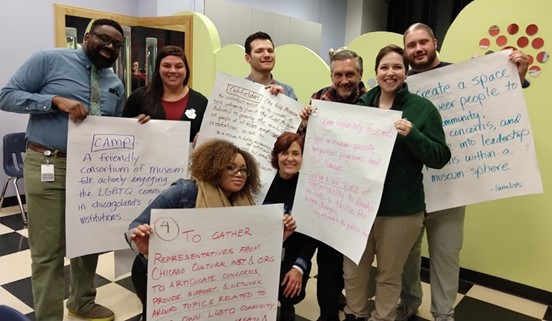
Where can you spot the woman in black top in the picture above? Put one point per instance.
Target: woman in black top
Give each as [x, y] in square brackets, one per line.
[287, 156]
[168, 96]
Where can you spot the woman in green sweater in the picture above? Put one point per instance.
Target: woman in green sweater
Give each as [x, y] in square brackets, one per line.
[420, 142]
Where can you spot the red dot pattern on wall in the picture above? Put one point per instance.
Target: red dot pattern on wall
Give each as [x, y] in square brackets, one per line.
[522, 42]
[513, 28]
[531, 29]
[512, 37]
[542, 57]
[537, 43]
[501, 41]
[484, 43]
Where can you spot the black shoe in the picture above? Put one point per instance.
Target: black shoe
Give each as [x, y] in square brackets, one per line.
[341, 301]
[351, 317]
[287, 312]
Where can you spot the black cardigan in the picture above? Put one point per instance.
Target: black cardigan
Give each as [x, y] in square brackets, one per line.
[135, 106]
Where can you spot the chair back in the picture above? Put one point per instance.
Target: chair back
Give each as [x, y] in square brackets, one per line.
[14, 149]
[10, 314]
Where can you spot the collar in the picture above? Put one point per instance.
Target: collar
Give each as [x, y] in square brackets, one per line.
[250, 77]
[399, 97]
[86, 61]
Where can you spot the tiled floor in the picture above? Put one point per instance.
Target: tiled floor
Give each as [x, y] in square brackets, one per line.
[474, 303]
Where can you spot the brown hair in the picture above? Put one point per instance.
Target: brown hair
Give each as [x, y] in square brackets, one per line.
[416, 26]
[344, 54]
[210, 160]
[388, 49]
[253, 37]
[283, 142]
[154, 90]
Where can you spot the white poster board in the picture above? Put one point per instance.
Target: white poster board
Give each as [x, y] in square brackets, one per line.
[487, 129]
[247, 114]
[215, 263]
[115, 168]
[346, 155]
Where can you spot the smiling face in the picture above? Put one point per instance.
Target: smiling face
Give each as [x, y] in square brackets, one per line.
[262, 57]
[391, 72]
[345, 77]
[172, 71]
[289, 161]
[233, 182]
[102, 45]
[421, 50]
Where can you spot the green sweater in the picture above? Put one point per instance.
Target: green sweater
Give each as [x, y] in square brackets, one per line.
[403, 190]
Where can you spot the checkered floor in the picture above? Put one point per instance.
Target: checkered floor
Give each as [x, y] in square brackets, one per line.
[474, 303]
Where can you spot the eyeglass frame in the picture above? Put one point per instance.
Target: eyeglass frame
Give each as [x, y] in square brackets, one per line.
[233, 171]
[107, 40]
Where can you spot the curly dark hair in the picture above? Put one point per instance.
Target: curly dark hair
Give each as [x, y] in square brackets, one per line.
[210, 160]
[107, 22]
[283, 142]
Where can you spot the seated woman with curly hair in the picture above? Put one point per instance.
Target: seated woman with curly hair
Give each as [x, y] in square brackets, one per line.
[222, 175]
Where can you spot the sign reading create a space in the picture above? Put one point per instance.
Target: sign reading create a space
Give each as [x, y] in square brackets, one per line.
[487, 129]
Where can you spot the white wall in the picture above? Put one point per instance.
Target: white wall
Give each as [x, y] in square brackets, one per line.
[235, 22]
[28, 26]
[331, 14]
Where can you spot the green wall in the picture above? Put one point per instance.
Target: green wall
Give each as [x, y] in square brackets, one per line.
[507, 238]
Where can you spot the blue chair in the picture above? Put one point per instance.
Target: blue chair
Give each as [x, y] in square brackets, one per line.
[14, 149]
[10, 314]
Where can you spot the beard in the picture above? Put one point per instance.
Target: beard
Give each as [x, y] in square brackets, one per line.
[422, 66]
[98, 59]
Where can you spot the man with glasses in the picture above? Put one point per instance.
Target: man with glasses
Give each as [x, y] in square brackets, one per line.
[56, 86]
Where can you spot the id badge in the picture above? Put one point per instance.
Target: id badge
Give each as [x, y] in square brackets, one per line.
[47, 172]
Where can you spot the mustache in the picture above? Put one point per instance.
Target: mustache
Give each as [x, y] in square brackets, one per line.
[105, 48]
[349, 85]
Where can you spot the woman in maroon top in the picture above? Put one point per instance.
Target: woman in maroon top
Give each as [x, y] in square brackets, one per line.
[168, 95]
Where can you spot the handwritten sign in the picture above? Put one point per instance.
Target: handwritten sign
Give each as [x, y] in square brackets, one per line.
[215, 263]
[115, 168]
[248, 115]
[346, 155]
[487, 129]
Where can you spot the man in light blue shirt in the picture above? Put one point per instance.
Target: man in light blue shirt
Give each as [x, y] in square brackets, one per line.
[54, 87]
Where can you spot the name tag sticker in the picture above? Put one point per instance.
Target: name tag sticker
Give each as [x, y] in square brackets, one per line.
[47, 173]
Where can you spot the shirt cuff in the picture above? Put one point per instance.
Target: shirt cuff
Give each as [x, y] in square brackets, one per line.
[298, 269]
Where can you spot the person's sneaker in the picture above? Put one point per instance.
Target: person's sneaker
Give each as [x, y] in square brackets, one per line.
[444, 318]
[97, 313]
[404, 313]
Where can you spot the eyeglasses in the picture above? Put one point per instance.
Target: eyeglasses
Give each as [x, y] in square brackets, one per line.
[233, 171]
[106, 40]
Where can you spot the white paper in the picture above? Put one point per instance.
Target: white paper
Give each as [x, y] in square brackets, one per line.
[345, 161]
[215, 263]
[487, 129]
[247, 114]
[115, 167]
